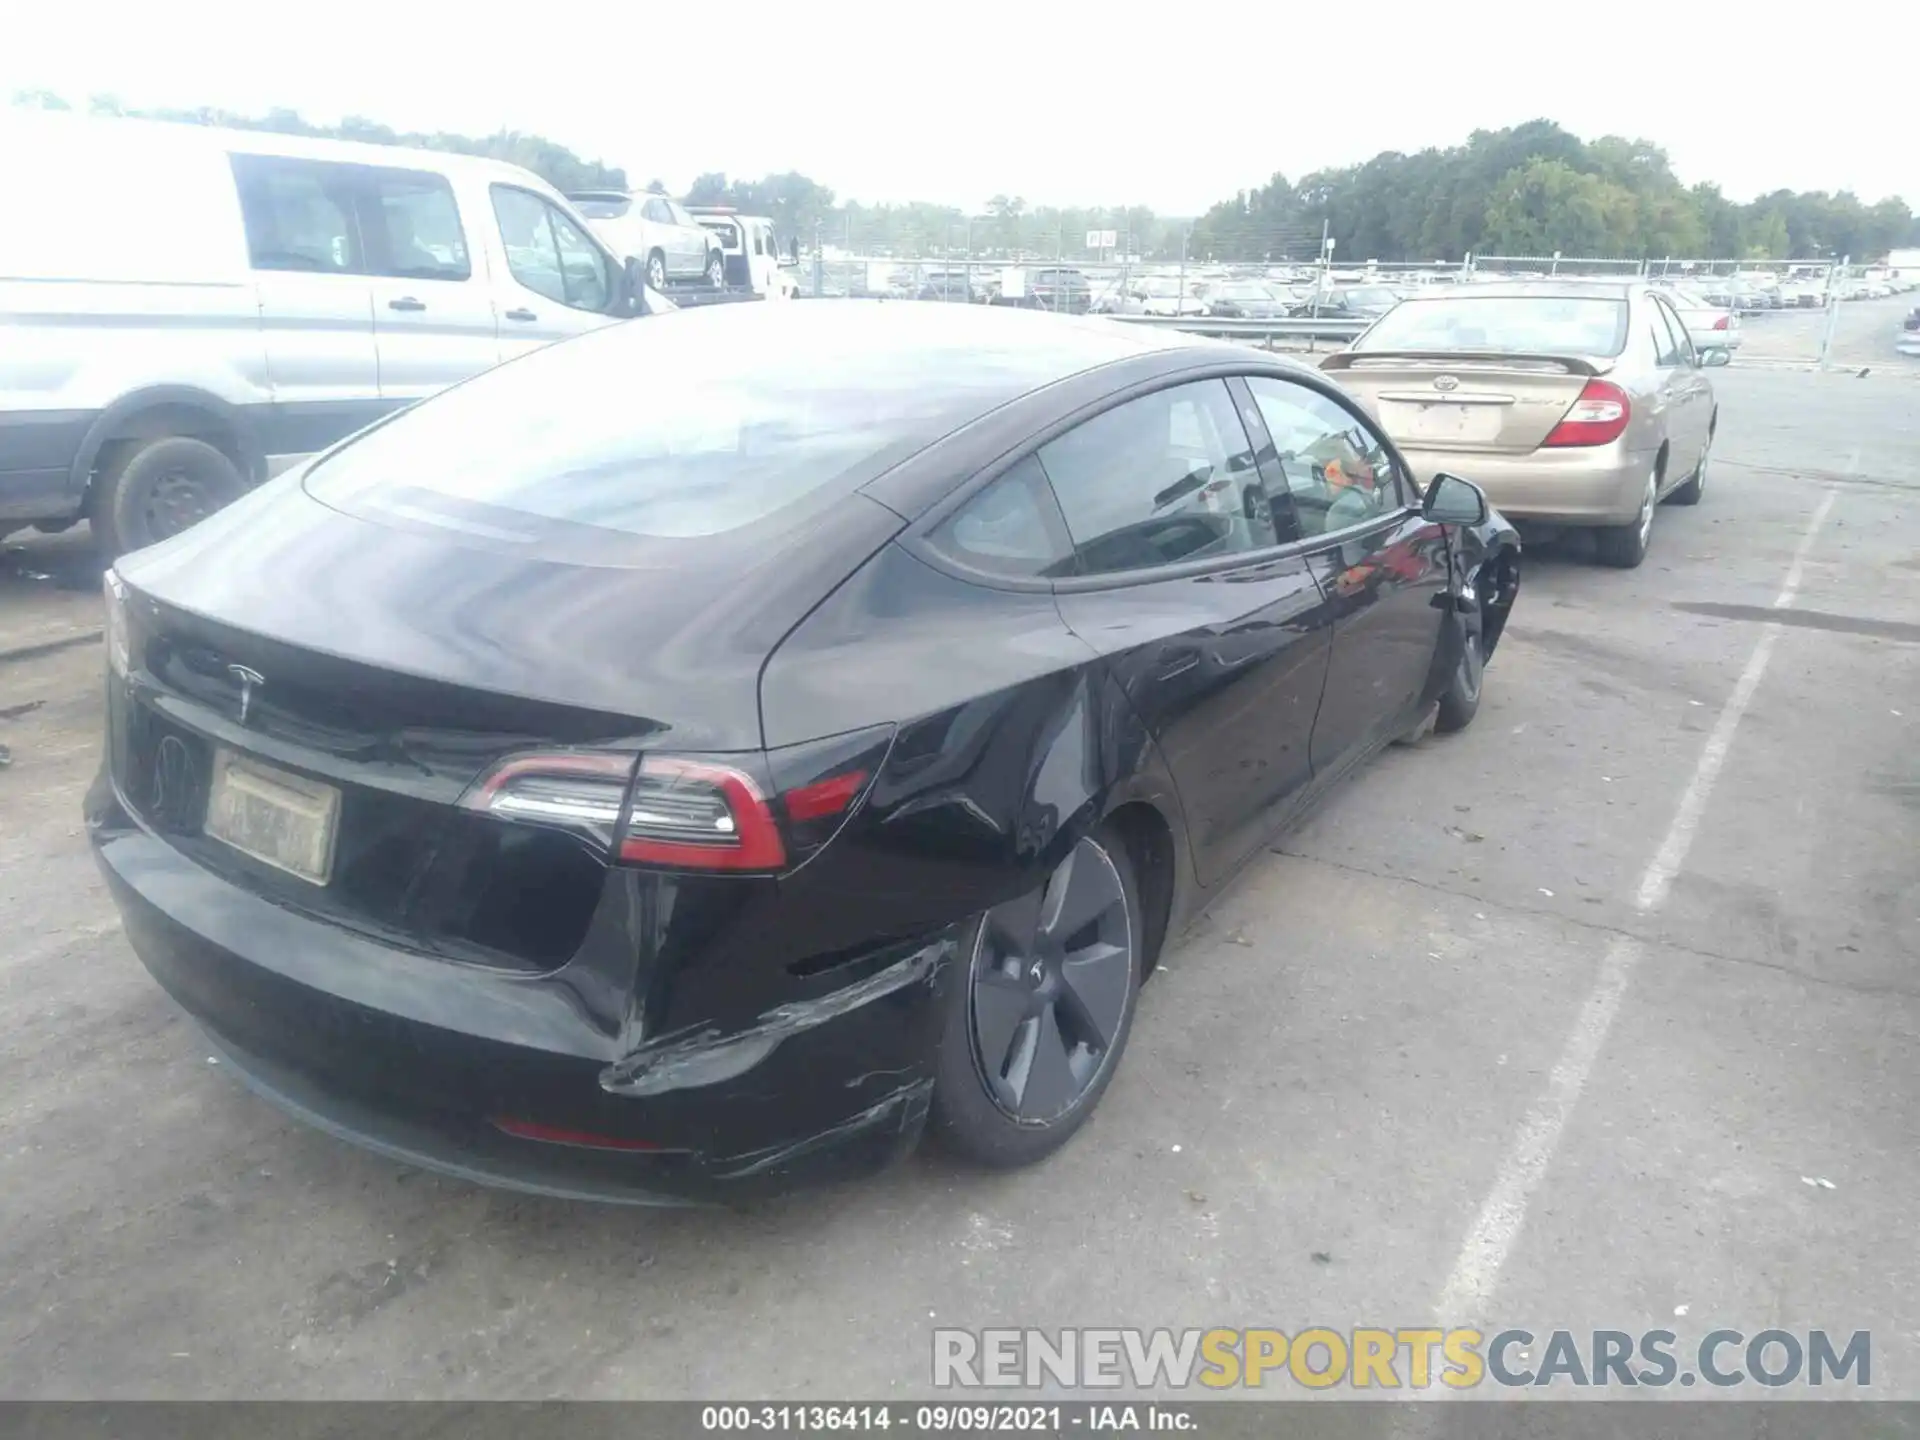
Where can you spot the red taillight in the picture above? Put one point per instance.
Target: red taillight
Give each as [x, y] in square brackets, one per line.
[700, 815]
[1721, 323]
[554, 1135]
[824, 799]
[1599, 416]
[738, 812]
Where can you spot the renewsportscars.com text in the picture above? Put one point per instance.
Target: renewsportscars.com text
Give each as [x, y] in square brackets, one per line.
[1413, 1358]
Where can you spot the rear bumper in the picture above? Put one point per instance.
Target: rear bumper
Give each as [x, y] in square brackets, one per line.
[337, 1029]
[1603, 485]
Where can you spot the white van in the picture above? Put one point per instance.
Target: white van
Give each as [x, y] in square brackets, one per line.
[184, 310]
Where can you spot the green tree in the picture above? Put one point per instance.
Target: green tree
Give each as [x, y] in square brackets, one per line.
[1546, 206]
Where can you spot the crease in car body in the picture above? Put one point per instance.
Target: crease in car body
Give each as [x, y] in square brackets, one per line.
[663, 854]
[709, 1056]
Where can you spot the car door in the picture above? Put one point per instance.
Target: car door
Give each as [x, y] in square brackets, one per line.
[1381, 564]
[1691, 406]
[1216, 632]
[309, 262]
[695, 241]
[557, 282]
[433, 314]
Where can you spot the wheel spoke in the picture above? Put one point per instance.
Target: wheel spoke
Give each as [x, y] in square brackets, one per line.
[1094, 996]
[1013, 926]
[1082, 890]
[1050, 1085]
[1001, 1004]
[1012, 1086]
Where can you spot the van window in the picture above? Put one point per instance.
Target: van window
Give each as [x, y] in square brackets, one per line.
[299, 214]
[548, 253]
[420, 225]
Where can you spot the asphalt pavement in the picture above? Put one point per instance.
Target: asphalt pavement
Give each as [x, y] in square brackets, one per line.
[1602, 1013]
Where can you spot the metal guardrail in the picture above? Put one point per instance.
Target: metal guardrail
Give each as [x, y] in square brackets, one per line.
[1237, 329]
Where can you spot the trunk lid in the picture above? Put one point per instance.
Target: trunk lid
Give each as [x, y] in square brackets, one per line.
[1467, 401]
[427, 607]
[367, 674]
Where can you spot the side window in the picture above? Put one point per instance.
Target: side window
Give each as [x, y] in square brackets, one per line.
[582, 266]
[1338, 471]
[299, 214]
[679, 215]
[419, 224]
[548, 253]
[656, 209]
[1158, 480]
[532, 253]
[1666, 352]
[1012, 527]
[1682, 341]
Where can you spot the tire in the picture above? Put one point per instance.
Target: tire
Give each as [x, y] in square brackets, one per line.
[716, 271]
[155, 489]
[1625, 546]
[1696, 486]
[656, 271]
[1460, 701]
[996, 1100]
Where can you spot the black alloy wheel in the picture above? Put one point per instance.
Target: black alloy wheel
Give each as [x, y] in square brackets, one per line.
[1041, 1010]
[1460, 701]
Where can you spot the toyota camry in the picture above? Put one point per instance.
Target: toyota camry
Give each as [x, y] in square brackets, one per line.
[704, 755]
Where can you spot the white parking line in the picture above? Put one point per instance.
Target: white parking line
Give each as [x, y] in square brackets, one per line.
[1476, 1271]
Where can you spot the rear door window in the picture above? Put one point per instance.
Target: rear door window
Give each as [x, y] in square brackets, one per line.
[1013, 527]
[418, 223]
[1159, 480]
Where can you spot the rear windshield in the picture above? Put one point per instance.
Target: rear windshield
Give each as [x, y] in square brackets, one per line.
[682, 426]
[1526, 323]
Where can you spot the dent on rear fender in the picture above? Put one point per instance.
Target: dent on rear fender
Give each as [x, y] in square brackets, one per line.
[690, 1059]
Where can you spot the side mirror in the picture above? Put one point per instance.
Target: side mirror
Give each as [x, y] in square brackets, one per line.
[633, 287]
[1714, 359]
[1452, 501]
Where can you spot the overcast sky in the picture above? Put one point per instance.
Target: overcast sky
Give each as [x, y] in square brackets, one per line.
[1172, 105]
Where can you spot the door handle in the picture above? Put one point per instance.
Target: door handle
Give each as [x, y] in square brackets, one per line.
[406, 302]
[521, 314]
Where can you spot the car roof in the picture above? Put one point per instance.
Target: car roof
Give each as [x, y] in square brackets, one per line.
[1026, 349]
[1567, 288]
[186, 136]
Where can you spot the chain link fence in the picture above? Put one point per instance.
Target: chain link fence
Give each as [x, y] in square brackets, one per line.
[1814, 311]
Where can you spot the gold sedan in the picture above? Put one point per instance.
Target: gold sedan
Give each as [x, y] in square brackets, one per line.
[1571, 403]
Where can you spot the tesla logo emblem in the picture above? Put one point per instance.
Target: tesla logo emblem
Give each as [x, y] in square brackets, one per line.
[248, 680]
[1446, 382]
[172, 783]
[1037, 973]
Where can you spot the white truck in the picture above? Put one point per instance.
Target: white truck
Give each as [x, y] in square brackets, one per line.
[750, 252]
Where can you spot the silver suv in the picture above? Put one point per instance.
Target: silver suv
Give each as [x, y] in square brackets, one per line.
[656, 231]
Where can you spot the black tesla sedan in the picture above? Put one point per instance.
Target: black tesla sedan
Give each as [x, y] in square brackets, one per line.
[700, 756]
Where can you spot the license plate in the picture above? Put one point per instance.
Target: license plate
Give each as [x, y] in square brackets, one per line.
[274, 816]
[1453, 422]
